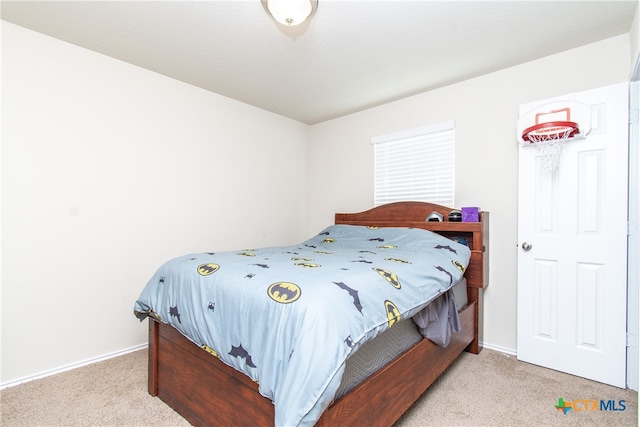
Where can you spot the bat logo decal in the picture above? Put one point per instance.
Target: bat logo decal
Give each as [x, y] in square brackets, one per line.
[353, 293]
[329, 240]
[387, 247]
[245, 254]
[173, 312]
[207, 269]
[155, 315]
[446, 272]
[349, 342]
[389, 277]
[241, 353]
[209, 350]
[402, 261]
[393, 314]
[284, 292]
[447, 247]
[307, 264]
[459, 265]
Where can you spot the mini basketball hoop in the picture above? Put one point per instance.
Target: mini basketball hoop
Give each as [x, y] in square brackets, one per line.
[549, 137]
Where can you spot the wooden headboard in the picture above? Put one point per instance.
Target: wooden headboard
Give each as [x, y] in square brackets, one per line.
[415, 214]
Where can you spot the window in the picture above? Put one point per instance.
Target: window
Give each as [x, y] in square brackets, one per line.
[415, 165]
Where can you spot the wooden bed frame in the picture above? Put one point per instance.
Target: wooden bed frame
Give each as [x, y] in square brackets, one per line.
[207, 392]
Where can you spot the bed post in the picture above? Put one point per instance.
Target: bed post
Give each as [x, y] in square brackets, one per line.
[475, 294]
[153, 357]
[479, 279]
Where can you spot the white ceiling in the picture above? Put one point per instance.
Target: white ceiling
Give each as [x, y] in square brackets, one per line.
[350, 56]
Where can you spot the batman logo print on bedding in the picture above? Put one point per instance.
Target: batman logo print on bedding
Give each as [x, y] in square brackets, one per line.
[393, 314]
[390, 277]
[207, 269]
[284, 292]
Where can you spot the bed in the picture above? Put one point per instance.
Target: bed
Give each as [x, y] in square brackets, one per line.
[207, 390]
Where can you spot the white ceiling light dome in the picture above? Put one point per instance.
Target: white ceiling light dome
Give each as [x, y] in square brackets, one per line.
[290, 12]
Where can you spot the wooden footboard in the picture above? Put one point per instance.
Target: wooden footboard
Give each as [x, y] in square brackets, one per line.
[207, 392]
[199, 386]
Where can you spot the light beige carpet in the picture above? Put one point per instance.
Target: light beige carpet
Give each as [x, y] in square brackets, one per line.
[495, 389]
[491, 389]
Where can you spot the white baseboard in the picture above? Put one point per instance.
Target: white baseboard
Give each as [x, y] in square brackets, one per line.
[505, 350]
[71, 366]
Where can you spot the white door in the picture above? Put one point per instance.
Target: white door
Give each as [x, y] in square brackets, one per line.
[572, 279]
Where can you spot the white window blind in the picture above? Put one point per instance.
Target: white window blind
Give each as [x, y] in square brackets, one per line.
[415, 165]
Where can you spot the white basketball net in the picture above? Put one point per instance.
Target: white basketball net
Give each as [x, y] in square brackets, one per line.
[549, 143]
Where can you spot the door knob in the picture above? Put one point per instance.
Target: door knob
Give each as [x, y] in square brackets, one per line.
[526, 246]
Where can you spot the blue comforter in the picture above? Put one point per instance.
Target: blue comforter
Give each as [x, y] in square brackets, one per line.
[289, 317]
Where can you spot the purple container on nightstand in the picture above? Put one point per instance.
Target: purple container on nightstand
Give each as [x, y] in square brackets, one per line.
[470, 214]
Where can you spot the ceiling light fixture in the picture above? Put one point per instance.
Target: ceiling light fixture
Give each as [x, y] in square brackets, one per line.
[290, 12]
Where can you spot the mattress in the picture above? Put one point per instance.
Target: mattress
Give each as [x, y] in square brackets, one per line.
[378, 352]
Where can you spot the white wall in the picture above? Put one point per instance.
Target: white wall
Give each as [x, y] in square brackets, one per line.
[485, 111]
[108, 170]
[634, 40]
